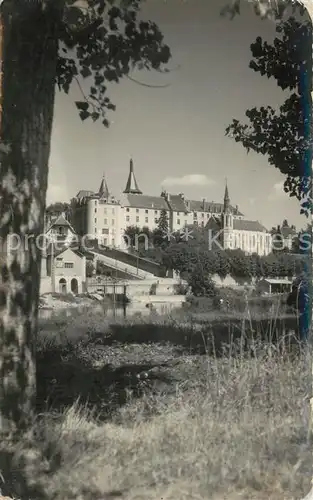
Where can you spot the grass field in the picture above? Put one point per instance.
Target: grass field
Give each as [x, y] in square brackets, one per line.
[150, 410]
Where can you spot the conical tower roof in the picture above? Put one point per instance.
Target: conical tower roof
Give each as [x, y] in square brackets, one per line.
[104, 190]
[131, 185]
[226, 198]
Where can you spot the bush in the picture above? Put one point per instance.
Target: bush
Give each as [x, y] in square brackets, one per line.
[201, 284]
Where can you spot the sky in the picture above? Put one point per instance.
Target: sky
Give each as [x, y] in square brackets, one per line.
[176, 134]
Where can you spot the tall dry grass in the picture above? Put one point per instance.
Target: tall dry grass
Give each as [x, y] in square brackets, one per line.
[233, 426]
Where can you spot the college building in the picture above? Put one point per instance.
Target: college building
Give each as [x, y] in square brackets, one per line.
[103, 217]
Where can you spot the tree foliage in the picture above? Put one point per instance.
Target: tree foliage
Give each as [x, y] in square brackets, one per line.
[183, 257]
[201, 283]
[163, 225]
[104, 41]
[137, 238]
[266, 9]
[284, 136]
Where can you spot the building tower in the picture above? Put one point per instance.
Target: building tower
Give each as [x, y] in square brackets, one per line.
[103, 190]
[131, 185]
[227, 221]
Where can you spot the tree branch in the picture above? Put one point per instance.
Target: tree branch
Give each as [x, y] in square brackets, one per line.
[147, 84]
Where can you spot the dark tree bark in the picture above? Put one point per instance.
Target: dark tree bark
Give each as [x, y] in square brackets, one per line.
[29, 61]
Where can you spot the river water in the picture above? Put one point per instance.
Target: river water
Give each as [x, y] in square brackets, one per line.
[119, 311]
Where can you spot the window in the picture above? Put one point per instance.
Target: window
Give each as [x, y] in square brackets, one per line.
[113, 242]
[156, 220]
[68, 265]
[137, 210]
[96, 220]
[127, 218]
[105, 231]
[195, 215]
[155, 212]
[105, 211]
[202, 215]
[105, 241]
[146, 211]
[178, 222]
[105, 222]
[178, 213]
[95, 202]
[59, 262]
[95, 210]
[113, 222]
[137, 219]
[127, 209]
[146, 219]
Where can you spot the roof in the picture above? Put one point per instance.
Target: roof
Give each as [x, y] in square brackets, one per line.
[277, 281]
[131, 185]
[248, 225]
[84, 193]
[177, 203]
[211, 207]
[61, 221]
[145, 201]
[104, 190]
[214, 223]
[56, 250]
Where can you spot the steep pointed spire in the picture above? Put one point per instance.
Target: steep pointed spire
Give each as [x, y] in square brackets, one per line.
[226, 198]
[131, 185]
[103, 190]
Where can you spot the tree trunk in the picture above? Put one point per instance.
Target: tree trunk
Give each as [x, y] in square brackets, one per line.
[29, 30]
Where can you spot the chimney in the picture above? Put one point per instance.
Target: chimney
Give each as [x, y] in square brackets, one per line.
[182, 196]
[203, 203]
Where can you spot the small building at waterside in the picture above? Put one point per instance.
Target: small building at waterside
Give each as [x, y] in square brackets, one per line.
[270, 286]
[63, 271]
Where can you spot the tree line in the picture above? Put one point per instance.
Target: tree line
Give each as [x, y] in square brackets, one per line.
[178, 253]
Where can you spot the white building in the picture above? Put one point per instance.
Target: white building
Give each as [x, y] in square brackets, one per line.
[101, 216]
[63, 271]
[232, 231]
